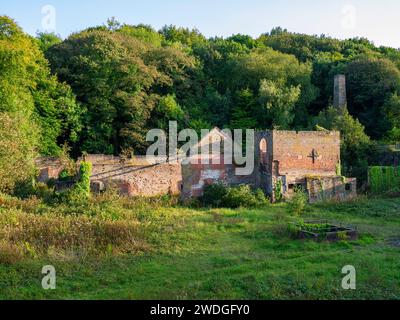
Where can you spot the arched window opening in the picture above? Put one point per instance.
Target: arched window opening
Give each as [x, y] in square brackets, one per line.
[263, 151]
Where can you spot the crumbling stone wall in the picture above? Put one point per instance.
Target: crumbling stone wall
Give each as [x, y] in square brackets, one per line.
[331, 188]
[137, 176]
[291, 158]
[287, 159]
[196, 175]
[133, 177]
[49, 168]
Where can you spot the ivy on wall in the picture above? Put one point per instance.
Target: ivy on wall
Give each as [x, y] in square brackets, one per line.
[384, 179]
[278, 190]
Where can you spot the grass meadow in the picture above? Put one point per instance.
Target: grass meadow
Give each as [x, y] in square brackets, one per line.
[121, 248]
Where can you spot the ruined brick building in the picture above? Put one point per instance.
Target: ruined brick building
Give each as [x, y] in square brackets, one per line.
[284, 160]
[308, 159]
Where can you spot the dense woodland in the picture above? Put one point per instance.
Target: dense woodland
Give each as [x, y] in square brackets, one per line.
[101, 89]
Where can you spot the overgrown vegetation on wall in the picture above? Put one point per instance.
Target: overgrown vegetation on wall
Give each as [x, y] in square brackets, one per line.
[83, 184]
[81, 190]
[384, 179]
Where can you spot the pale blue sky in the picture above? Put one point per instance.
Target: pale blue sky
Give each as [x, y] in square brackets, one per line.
[377, 20]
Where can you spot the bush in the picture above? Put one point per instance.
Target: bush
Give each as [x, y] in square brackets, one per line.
[278, 191]
[32, 189]
[241, 196]
[218, 195]
[67, 162]
[81, 191]
[83, 184]
[64, 176]
[24, 188]
[261, 198]
[298, 201]
[214, 194]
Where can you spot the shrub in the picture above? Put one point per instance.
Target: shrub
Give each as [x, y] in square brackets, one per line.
[278, 191]
[67, 162]
[64, 176]
[293, 230]
[298, 201]
[83, 184]
[51, 183]
[261, 198]
[218, 195]
[32, 189]
[44, 192]
[24, 188]
[241, 196]
[214, 194]
[81, 190]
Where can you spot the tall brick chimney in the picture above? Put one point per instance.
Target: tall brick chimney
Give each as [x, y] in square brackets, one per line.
[339, 91]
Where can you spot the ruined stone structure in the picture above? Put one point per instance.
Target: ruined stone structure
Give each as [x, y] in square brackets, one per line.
[211, 167]
[137, 176]
[49, 168]
[284, 160]
[339, 91]
[289, 159]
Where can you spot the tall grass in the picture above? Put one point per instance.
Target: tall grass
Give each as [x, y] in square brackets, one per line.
[106, 224]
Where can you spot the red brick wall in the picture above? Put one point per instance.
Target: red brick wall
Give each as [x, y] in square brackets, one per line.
[137, 177]
[294, 150]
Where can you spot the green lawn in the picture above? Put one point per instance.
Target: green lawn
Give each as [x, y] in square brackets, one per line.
[222, 254]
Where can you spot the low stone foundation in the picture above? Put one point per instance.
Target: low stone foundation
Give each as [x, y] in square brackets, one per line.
[331, 188]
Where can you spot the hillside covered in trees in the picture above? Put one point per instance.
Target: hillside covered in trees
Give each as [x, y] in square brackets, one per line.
[101, 89]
